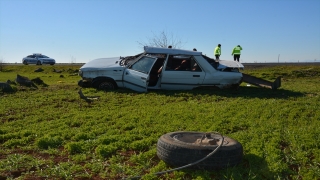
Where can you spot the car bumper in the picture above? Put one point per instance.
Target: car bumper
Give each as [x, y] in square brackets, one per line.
[84, 83]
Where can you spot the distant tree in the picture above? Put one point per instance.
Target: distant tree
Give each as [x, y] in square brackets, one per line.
[1, 64]
[73, 60]
[163, 39]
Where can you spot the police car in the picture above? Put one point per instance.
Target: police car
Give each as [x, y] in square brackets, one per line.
[38, 59]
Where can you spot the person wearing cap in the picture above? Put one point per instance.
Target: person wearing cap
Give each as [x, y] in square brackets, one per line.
[217, 51]
[236, 52]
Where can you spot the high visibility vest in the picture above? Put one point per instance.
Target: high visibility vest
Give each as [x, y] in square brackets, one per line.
[236, 50]
[217, 51]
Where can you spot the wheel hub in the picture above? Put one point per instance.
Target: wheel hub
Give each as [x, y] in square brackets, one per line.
[205, 139]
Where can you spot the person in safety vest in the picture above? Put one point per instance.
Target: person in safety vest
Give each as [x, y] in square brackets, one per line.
[236, 52]
[217, 51]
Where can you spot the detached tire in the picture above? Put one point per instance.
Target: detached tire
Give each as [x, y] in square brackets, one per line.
[179, 149]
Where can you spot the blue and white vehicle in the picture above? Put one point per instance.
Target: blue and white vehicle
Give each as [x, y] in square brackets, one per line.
[38, 59]
[160, 68]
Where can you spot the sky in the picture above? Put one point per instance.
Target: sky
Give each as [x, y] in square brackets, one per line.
[77, 31]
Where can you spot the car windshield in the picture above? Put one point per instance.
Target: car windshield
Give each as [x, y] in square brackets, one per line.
[128, 60]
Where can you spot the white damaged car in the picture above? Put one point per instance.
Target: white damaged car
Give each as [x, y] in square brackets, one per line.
[160, 68]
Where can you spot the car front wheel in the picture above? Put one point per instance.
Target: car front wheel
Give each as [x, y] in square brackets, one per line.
[25, 63]
[105, 85]
[39, 63]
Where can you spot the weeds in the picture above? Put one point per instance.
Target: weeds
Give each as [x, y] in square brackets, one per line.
[50, 132]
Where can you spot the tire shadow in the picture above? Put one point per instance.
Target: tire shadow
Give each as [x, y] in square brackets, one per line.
[251, 167]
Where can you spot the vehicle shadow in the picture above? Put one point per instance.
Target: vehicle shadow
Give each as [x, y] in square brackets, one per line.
[245, 92]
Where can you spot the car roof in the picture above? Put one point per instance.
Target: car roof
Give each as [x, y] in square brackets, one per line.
[159, 50]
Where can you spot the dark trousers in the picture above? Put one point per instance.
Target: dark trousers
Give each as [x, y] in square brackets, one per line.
[217, 56]
[236, 57]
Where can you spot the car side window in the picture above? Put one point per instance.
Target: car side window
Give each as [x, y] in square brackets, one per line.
[194, 65]
[143, 65]
[182, 63]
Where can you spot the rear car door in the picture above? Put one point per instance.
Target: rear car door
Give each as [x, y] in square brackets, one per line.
[136, 76]
[177, 77]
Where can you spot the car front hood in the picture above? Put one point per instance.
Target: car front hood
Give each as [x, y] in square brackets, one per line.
[101, 63]
[229, 64]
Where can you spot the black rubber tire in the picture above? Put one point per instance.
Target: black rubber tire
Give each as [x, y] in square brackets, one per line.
[105, 85]
[25, 63]
[39, 63]
[178, 153]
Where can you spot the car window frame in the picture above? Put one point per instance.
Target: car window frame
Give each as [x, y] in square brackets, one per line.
[137, 63]
[190, 59]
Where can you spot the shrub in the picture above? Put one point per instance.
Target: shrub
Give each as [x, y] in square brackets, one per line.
[105, 150]
[48, 141]
[83, 136]
[13, 143]
[74, 147]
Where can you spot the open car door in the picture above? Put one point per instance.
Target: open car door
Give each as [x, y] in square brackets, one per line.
[136, 76]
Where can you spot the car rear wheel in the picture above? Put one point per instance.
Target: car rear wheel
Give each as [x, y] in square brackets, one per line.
[105, 85]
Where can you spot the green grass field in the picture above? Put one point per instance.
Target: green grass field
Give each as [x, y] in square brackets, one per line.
[48, 132]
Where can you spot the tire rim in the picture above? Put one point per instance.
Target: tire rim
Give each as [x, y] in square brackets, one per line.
[202, 139]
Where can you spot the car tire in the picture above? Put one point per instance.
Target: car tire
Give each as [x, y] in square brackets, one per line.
[25, 63]
[181, 151]
[105, 84]
[39, 63]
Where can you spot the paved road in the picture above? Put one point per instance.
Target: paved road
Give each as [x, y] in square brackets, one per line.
[245, 64]
[283, 64]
